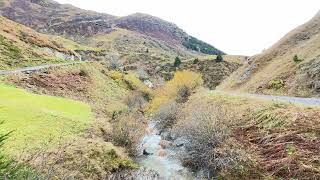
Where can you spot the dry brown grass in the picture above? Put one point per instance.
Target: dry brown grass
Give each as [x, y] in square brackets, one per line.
[78, 158]
[277, 63]
[128, 130]
[271, 140]
[287, 150]
[207, 132]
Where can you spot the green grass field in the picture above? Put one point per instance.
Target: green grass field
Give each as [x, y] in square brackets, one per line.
[37, 119]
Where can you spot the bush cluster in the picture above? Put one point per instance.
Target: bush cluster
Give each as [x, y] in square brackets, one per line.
[206, 129]
[166, 115]
[127, 131]
[181, 85]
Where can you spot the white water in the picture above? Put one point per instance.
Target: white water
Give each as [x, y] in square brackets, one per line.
[164, 161]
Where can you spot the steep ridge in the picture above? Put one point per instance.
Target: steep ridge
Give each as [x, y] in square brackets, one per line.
[51, 17]
[278, 71]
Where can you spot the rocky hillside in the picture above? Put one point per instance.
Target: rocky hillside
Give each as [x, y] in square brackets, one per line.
[290, 67]
[22, 46]
[51, 17]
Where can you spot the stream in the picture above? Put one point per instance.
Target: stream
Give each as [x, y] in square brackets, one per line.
[161, 156]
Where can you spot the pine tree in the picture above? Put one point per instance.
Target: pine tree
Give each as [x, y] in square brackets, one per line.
[296, 58]
[177, 62]
[219, 58]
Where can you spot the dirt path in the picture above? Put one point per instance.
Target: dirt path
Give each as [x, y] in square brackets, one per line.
[36, 68]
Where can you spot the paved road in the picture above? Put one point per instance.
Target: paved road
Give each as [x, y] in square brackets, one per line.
[36, 68]
[289, 99]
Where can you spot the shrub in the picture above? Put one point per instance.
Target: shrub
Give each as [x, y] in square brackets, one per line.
[177, 62]
[206, 129]
[127, 131]
[84, 73]
[219, 58]
[166, 115]
[135, 100]
[183, 93]
[296, 58]
[115, 64]
[115, 75]
[196, 61]
[134, 83]
[170, 90]
[276, 84]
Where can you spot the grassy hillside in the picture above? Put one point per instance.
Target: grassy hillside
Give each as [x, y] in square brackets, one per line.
[275, 71]
[91, 154]
[82, 26]
[35, 119]
[21, 46]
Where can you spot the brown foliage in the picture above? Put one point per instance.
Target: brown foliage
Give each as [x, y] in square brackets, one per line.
[291, 151]
[207, 131]
[128, 130]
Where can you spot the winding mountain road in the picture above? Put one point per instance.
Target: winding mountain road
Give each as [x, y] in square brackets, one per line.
[37, 68]
[289, 99]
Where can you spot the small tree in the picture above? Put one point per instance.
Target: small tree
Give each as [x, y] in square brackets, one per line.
[219, 58]
[196, 61]
[177, 62]
[296, 58]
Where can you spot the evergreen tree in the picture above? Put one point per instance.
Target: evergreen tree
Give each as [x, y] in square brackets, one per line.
[219, 58]
[296, 58]
[196, 61]
[177, 62]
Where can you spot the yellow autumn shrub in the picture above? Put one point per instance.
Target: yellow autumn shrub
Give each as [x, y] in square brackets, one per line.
[170, 90]
[134, 83]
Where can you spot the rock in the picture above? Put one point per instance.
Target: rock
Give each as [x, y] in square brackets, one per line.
[166, 135]
[165, 144]
[161, 153]
[179, 142]
[145, 152]
[148, 83]
[57, 54]
[247, 72]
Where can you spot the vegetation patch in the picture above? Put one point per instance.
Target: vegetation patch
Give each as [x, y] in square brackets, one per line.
[170, 91]
[197, 45]
[34, 119]
[276, 84]
[280, 138]
[231, 137]
[81, 158]
[90, 83]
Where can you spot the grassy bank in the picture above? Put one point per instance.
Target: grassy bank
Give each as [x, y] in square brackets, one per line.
[249, 138]
[88, 155]
[36, 119]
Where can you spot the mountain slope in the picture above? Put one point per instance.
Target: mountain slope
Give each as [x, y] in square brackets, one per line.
[22, 46]
[51, 17]
[276, 72]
